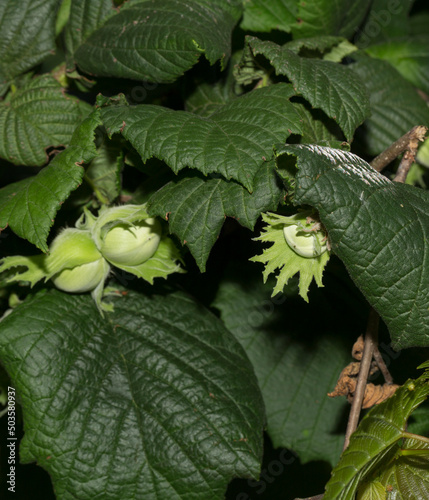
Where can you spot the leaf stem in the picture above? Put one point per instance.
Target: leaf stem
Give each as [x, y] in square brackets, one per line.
[410, 435]
[101, 198]
[371, 339]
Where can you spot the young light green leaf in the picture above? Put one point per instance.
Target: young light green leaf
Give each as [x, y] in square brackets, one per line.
[159, 42]
[408, 476]
[324, 84]
[38, 116]
[29, 206]
[286, 257]
[296, 364]
[373, 490]
[234, 141]
[372, 222]
[260, 15]
[375, 441]
[395, 105]
[28, 36]
[410, 56]
[196, 207]
[166, 385]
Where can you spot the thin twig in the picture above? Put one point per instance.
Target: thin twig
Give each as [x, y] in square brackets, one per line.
[382, 160]
[382, 366]
[316, 497]
[371, 338]
[423, 95]
[410, 155]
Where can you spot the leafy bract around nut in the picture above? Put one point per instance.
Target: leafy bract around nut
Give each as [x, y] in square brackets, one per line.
[132, 241]
[74, 264]
[79, 258]
[299, 245]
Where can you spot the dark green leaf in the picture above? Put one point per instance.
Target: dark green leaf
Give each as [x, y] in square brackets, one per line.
[104, 172]
[85, 17]
[375, 439]
[410, 56]
[295, 369]
[29, 206]
[328, 17]
[386, 19]
[157, 41]
[408, 477]
[260, 15]
[395, 105]
[233, 141]
[196, 207]
[326, 85]
[316, 128]
[207, 98]
[156, 401]
[27, 37]
[418, 23]
[312, 45]
[211, 94]
[36, 117]
[378, 228]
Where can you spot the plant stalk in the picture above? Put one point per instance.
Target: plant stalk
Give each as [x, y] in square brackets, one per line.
[371, 339]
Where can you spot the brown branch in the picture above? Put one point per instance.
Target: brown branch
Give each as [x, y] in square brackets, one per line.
[410, 155]
[415, 135]
[382, 366]
[371, 338]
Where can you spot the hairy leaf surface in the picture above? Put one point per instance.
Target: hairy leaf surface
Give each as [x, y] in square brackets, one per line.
[29, 206]
[234, 141]
[395, 105]
[27, 37]
[326, 85]
[38, 116]
[378, 228]
[155, 401]
[157, 41]
[196, 207]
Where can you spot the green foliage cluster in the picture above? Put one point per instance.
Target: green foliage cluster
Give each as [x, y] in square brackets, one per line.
[216, 117]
